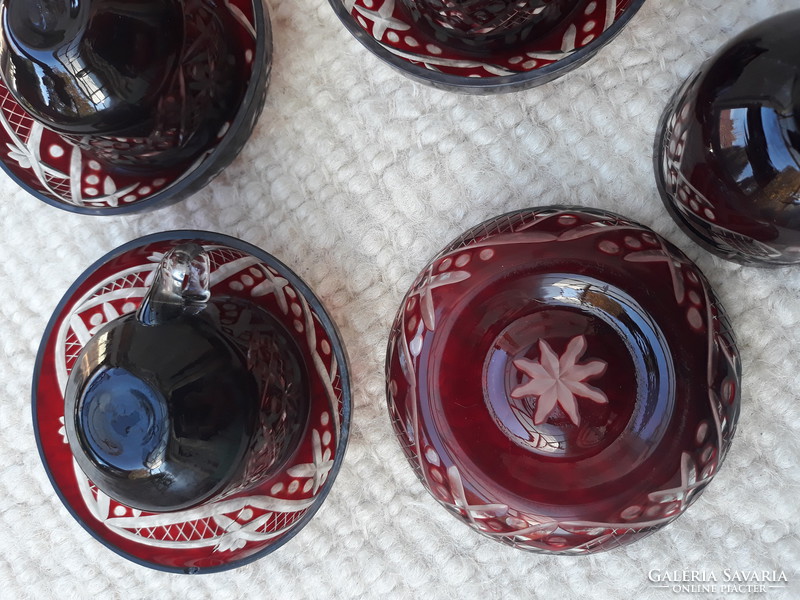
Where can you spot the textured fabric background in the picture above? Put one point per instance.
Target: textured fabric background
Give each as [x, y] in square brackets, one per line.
[355, 176]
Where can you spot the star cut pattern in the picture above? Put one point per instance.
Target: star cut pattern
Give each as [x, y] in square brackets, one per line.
[556, 381]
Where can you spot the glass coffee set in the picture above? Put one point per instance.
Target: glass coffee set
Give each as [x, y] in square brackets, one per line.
[561, 379]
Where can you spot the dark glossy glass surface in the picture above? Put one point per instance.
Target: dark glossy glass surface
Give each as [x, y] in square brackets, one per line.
[138, 84]
[563, 380]
[90, 66]
[142, 173]
[196, 105]
[123, 420]
[162, 415]
[483, 25]
[728, 151]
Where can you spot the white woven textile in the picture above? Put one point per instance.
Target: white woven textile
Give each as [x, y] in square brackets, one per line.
[355, 177]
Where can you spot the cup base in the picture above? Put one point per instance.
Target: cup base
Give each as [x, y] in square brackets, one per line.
[160, 417]
[202, 97]
[459, 31]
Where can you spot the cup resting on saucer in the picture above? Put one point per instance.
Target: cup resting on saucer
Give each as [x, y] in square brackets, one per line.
[138, 84]
[164, 411]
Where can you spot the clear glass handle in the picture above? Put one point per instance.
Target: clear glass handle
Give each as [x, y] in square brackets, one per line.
[180, 286]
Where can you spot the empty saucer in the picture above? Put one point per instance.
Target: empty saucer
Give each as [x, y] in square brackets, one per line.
[563, 380]
[256, 294]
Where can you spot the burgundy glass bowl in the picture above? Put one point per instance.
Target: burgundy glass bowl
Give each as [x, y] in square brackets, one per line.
[70, 176]
[727, 152]
[254, 290]
[563, 380]
[388, 30]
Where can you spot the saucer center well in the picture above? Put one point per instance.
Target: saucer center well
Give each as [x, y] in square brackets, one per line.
[560, 382]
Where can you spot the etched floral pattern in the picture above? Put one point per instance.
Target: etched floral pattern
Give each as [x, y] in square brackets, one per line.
[316, 471]
[557, 381]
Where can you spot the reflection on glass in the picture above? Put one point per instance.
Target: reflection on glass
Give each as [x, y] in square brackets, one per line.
[91, 89]
[754, 143]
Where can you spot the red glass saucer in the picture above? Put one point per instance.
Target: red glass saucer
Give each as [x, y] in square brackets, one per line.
[388, 30]
[54, 170]
[240, 528]
[563, 380]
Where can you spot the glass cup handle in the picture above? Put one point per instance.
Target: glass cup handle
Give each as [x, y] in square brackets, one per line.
[180, 286]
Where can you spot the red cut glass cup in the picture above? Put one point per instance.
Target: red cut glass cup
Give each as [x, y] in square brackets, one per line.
[155, 98]
[727, 156]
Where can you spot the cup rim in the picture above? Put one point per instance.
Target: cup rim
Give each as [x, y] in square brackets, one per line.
[485, 85]
[337, 348]
[223, 153]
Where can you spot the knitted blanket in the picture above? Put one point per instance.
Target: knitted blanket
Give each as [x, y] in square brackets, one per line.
[355, 176]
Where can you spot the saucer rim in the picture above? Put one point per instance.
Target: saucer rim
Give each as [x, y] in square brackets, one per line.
[485, 85]
[337, 347]
[249, 109]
